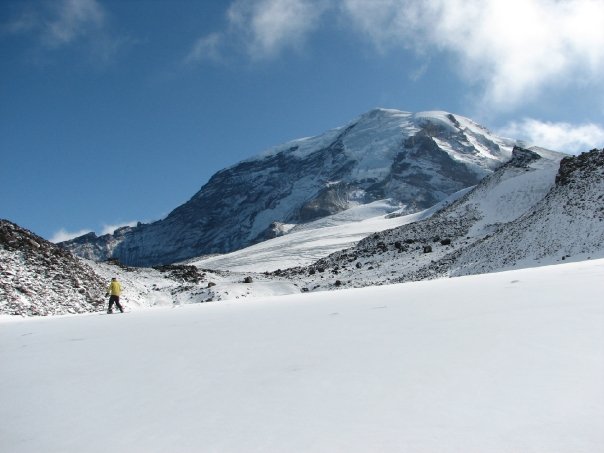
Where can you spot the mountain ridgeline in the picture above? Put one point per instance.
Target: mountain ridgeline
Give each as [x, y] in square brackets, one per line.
[413, 159]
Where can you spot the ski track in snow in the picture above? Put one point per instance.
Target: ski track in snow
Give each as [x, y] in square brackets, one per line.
[504, 362]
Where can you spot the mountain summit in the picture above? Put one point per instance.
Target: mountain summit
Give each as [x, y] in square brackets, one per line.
[414, 160]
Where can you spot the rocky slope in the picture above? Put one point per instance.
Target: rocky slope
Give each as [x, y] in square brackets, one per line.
[433, 247]
[415, 160]
[40, 278]
[567, 224]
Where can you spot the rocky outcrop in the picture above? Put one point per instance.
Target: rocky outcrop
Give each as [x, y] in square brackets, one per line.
[40, 278]
[584, 166]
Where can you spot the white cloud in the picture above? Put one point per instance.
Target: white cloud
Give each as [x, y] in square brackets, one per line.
[64, 235]
[206, 48]
[512, 50]
[564, 137]
[58, 23]
[515, 49]
[72, 19]
[27, 21]
[264, 28]
[274, 25]
[109, 229]
[62, 24]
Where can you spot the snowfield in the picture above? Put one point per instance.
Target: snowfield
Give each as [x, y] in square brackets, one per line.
[503, 362]
[308, 243]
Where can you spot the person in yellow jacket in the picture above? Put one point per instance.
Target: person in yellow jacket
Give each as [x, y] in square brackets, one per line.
[114, 291]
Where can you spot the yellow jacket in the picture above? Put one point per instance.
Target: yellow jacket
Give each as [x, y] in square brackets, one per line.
[115, 289]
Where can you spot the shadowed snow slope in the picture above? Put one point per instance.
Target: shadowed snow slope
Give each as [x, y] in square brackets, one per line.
[498, 363]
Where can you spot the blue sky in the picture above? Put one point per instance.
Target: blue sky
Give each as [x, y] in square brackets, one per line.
[113, 112]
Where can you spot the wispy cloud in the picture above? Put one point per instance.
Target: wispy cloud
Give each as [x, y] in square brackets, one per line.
[207, 48]
[264, 29]
[22, 23]
[61, 24]
[72, 19]
[564, 137]
[64, 235]
[274, 25]
[58, 23]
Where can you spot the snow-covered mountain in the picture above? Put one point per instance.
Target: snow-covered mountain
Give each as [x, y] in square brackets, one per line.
[414, 160]
[539, 208]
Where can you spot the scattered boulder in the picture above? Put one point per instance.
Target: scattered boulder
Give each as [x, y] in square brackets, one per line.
[182, 273]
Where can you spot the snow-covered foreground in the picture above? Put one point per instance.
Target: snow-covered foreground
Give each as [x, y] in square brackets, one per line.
[507, 362]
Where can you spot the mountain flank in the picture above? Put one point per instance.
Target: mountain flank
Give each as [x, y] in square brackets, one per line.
[412, 159]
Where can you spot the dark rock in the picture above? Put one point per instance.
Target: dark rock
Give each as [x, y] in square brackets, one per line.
[573, 166]
[182, 273]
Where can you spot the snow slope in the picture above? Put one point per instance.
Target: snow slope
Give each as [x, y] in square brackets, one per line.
[498, 363]
[169, 286]
[310, 242]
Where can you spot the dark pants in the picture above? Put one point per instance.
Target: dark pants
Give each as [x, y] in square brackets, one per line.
[115, 299]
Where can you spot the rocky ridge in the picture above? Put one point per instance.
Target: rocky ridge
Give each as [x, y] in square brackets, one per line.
[567, 224]
[40, 278]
